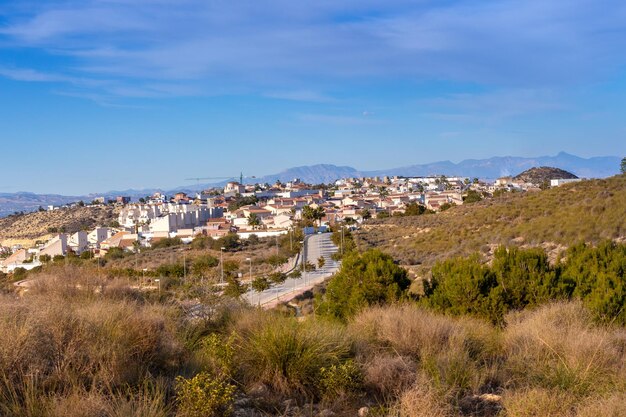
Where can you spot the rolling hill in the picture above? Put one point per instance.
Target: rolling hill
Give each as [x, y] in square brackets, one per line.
[587, 211]
[37, 225]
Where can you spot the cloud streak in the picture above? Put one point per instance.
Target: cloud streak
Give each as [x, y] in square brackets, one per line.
[198, 47]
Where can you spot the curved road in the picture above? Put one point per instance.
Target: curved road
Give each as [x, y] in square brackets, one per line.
[316, 245]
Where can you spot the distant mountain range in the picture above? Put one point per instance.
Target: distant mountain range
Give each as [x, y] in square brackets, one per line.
[597, 167]
[492, 168]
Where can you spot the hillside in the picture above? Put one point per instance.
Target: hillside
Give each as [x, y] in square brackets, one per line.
[32, 226]
[540, 175]
[588, 211]
[16, 202]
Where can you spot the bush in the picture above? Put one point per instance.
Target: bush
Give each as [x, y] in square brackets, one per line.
[228, 242]
[202, 264]
[286, 355]
[365, 279]
[201, 242]
[387, 375]
[171, 270]
[113, 253]
[19, 273]
[167, 242]
[423, 400]
[524, 278]
[340, 380]
[204, 395]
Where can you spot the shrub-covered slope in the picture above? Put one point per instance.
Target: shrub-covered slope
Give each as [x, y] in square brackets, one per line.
[588, 211]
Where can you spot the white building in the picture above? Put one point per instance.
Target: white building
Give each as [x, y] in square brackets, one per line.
[166, 217]
[561, 181]
[98, 235]
[78, 242]
[55, 246]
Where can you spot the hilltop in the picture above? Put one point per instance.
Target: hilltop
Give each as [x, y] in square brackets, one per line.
[587, 211]
[540, 175]
[41, 224]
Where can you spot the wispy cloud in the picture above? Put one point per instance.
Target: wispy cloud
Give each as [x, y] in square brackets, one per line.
[301, 95]
[492, 106]
[334, 119]
[267, 46]
[27, 74]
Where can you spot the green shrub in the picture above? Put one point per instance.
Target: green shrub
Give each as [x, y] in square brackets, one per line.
[371, 278]
[217, 354]
[520, 278]
[167, 242]
[341, 379]
[204, 395]
[113, 253]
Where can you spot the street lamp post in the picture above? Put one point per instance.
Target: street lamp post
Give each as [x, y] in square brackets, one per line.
[222, 264]
[342, 239]
[159, 281]
[304, 260]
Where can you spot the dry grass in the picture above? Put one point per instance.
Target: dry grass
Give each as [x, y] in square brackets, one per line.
[409, 330]
[423, 400]
[539, 402]
[558, 346]
[287, 355]
[388, 375]
[610, 406]
[79, 345]
[441, 360]
[56, 347]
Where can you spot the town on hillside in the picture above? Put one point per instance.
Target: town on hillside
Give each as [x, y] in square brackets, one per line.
[264, 210]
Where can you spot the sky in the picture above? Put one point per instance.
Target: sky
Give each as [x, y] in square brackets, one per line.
[99, 95]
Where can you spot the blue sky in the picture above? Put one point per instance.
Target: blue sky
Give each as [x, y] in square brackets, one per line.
[113, 94]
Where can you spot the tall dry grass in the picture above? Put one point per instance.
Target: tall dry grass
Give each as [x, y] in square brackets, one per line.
[286, 355]
[60, 343]
[559, 346]
[551, 361]
[458, 356]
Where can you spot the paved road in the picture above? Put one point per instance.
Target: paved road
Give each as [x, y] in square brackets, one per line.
[316, 245]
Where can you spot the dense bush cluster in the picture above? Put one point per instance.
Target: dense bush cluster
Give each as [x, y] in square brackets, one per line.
[520, 278]
[371, 278]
